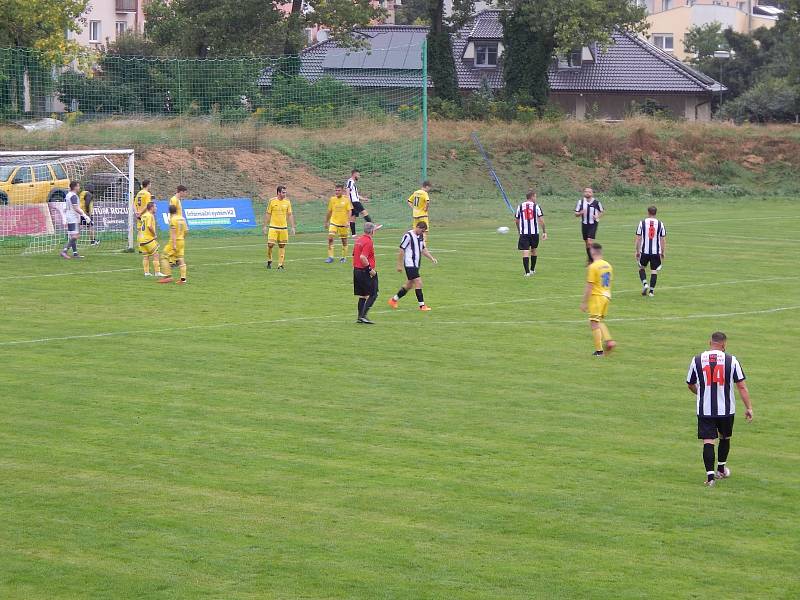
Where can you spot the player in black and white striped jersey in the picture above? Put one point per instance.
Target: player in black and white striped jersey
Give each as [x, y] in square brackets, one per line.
[712, 375]
[530, 221]
[355, 200]
[651, 245]
[589, 210]
[412, 249]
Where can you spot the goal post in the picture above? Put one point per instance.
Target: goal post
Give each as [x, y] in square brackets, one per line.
[33, 187]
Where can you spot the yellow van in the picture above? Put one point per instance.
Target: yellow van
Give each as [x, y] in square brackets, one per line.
[33, 183]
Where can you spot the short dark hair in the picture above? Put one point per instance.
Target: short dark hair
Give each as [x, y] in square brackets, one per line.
[145, 183]
[718, 337]
[422, 225]
[339, 186]
[651, 210]
[426, 183]
[596, 246]
[73, 184]
[280, 188]
[149, 205]
[354, 171]
[173, 209]
[183, 188]
[530, 194]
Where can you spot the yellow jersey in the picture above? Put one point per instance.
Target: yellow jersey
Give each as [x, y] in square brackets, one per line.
[177, 202]
[87, 199]
[600, 275]
[419, 201]
[141, 199]
[279, 211]
[147, 228]
[340, 207]
[177, 224]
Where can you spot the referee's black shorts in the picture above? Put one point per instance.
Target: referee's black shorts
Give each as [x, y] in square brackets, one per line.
[708, 428]
[528, 241]
[358, 208]
[363, 284]
[654, 260]
[589, 231]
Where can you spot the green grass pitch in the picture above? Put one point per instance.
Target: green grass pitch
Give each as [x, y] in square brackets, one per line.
[241, 437]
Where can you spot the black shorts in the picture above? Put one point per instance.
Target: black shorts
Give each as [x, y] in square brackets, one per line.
[589, 232]
[72, 228]
[363, 284]
[709, 427]
[358, 208]
[528, 241]
[654, 260]
[412, 272]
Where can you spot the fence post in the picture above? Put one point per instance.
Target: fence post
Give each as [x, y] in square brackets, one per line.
[424, 165]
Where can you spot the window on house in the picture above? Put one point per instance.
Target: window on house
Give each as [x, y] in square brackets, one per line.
[664, 41]
[94, 31]
[121, 27]
[486, 54]
[575, 58]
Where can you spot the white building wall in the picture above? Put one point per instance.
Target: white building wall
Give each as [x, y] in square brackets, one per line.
[103, 20]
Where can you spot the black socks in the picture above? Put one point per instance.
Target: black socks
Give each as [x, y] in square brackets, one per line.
[643, 276]
[419, 296]
[361, 303]
[724, 448]
[526, 264]
[401, 292]
[368, 219]
[352, 228]
[533, 263]
[708, 460]
[653, 278]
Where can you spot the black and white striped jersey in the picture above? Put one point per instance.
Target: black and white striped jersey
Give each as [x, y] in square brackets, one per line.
[412, 246]
[652, 232]
[715, 373]
[352, 191]
[527, 217]
[592, 207]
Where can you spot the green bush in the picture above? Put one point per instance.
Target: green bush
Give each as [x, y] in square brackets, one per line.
[408, 113]
[231, 114]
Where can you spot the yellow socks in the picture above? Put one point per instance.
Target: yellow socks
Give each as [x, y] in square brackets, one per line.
[606, 332]
[269, 252]
[597, 335]
[183, 271]
[166, 268]
[281, 255]
[146, 265]
[330, 249]
[344, 251]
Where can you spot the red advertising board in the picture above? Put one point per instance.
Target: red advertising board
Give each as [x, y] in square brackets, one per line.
[30, 219]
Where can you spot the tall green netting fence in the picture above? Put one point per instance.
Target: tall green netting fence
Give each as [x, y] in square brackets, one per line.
[233, 127]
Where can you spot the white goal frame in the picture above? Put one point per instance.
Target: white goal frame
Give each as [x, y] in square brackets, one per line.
[129, 152]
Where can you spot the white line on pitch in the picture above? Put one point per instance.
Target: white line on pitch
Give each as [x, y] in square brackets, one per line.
[326, 317]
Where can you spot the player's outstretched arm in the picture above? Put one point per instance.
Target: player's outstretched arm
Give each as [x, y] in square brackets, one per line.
[744, 393]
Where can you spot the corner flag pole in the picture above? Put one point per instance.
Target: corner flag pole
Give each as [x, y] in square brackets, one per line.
[492, 171]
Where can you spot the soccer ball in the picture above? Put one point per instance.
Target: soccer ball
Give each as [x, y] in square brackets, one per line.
[502, 230]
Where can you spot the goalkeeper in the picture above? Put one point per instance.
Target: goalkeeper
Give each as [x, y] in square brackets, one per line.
[73, 213]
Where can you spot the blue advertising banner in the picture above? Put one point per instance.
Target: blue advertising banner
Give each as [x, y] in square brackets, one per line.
[231, 213]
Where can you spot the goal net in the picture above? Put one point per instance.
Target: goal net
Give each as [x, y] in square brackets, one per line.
[33, 188]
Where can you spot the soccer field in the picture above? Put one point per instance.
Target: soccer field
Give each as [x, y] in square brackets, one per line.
[242, 437]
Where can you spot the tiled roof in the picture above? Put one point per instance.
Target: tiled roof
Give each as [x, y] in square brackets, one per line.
[312, 60]
[630, 64]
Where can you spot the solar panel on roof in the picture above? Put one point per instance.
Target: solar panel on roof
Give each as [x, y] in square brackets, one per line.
[388, 50]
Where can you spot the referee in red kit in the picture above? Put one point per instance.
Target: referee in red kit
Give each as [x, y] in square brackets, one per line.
[365, 277]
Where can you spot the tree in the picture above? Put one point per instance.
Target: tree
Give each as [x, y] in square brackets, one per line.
[538, 30]
[769, 100]
[215, 28]
[40, 25]
[340, 17]
[703, 40]
[413, 12]
[441, 68]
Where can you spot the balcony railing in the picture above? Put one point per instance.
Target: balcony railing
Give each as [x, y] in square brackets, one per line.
[127, 6]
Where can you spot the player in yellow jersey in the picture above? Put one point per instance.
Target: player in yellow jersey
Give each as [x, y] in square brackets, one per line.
[419, 202]
[596, 298]
[180, 194]
[173, 252]
[337, 221]
[140, 201]
[148, 242]
[276, 225]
